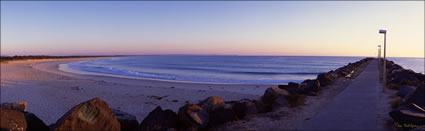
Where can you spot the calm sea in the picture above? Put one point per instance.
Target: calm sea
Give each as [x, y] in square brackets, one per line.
[224, 69]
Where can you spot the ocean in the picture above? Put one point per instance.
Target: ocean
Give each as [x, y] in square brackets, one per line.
[223, 69]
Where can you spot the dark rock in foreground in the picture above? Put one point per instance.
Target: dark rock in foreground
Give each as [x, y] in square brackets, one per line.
[261, 107]
[193, 116]
[292, 88]
[212, 103]
[408, 115]
[272, 94]
[405, 90]
[127, 121]
[243, 108]
[221, 116]
[94, 115]
[310, 85]
[417, 97]
[274, 98]
[34, 123]
[18, 106]
[159, 120]
[403, 77]
[12, 120]
[325, 79]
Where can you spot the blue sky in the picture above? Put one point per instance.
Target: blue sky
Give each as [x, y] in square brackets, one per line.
[214, 27]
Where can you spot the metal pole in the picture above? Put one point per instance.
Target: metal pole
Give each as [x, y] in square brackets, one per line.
[379, 56]
[385, 59]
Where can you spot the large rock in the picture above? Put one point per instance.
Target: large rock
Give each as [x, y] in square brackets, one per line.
[127, 121]
[293, 84]
[421, 77]
[404, 77]
[274, 98]
[408, 114]
[221, 116]
[343, 71]
[332, 74]
[417, 97]
[391, 67]
[279, 102]
[244, 107]
[295, 98]
[324, 79]
[159, 120]
[261, 107]
[405, 90]
[18, 106]
[94, 115]
[272, 94]
[291, 87]
[212, 103]
[34, 123]
[12, 120]
[192, 115]
[310, 85]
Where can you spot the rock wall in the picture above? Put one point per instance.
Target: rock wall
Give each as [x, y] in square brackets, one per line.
[409, 106]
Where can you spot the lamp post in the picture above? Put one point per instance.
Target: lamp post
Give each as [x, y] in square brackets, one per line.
[385, 39]
[379, 55]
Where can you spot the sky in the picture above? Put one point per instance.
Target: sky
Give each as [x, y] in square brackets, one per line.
[294, 28]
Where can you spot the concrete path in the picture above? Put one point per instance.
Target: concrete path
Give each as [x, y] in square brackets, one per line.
[354, 108]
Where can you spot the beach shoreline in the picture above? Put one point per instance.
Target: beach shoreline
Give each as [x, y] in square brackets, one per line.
[51, 92]
[63, 67]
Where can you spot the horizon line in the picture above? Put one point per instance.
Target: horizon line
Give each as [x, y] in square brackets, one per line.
[218, 55]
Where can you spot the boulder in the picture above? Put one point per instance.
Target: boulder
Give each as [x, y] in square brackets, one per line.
[421, 77]
[405, 90]
[324, 79]
[127, 121]
[293, 84]
[343, 71]
[243, 108]
[12, 120]
[310, 85]
[404, 77]
[94, 115]
[273, 93]
[18, 106]
[282, 86]
[393, 67]
[159, 120]
[408, 114]
[261, 107]
[296, 99]
[34, 123]
[292, 88]
[279, 102]
[212, 103]
[192, 115]
[332, 74]
[417, 97]
[221, 116]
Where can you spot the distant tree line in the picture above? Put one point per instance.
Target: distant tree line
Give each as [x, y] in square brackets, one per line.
[28, 57]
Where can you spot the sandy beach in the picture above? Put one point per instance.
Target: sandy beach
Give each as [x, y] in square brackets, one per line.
[51, 92]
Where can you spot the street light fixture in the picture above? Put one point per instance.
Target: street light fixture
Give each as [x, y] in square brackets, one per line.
[385, 39]
[379, 51]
